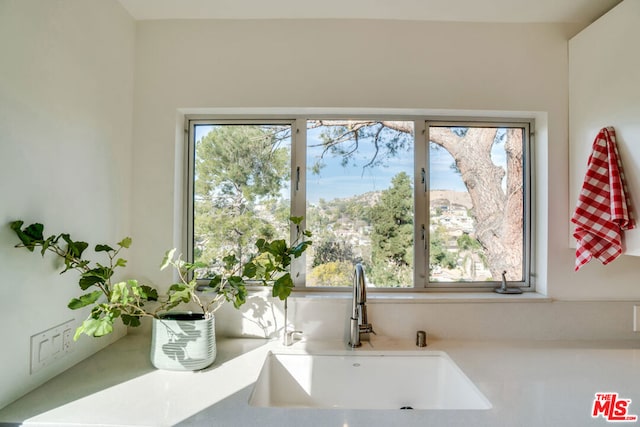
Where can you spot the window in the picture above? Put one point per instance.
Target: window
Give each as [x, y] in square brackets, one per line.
[240, 188]
[478, 202]
[359, 202]
[423, 204]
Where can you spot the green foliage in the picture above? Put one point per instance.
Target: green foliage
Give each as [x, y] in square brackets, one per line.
[224, 286]
[389, 275]
[341, 139]
[228, 282]
[332, 273]
[438, 253]
[126, 299]
[238, 168]
[84, 300]
[467, 243]
[329, 250]
[110, 301]
[274, 258]
[392, 237]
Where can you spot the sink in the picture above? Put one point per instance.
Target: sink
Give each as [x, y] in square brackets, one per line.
[375, 380]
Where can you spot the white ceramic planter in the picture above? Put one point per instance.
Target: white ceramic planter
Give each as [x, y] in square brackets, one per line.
[183, 342]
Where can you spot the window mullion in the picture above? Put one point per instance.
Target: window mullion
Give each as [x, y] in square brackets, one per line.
[299, 193]
[421, 219]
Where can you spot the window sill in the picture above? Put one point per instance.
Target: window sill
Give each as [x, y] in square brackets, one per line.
[428, 297]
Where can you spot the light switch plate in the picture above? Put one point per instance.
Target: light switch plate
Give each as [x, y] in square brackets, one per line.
[636, 318]
[50, 345]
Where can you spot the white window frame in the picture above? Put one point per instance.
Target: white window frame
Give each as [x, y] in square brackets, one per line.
[421, 204]
[527, 284]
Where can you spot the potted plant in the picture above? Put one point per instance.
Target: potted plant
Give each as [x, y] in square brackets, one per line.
[176, 335]
[176, 342]
[111, 300]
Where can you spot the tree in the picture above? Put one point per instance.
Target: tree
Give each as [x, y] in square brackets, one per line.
[332, 251]
[438, 253]
[498, 214]
[333, 273]
[497, 211]
[471, 252]
[392, 236]
[239, 175]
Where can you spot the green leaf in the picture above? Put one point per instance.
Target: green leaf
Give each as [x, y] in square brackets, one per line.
[31, 235]
[84, 300]
[95, 327]
[168, 257]
[298, 250]
[260, 243]
[74, 249]
[79, 331]
[199, 264]
[129, 320]
[120, 293]
[125, 243]
[249, 270]
[47, 243]
[120, 263]
[230, 261]
[190, 266]
[215, 282]
[34, 231]
[136, 289]
[235, 281]
[277, 247]
[240, 297]
[103, 248]
[94, 277]
[17, 225]
[179, 293]
[87, 281]
[297, 220]
[149, 293]
[282, 286]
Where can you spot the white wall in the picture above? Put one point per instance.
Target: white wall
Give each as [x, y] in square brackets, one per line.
[604, 83]
[186, 66]
[66, 100]
[182, 66]
[67, 97]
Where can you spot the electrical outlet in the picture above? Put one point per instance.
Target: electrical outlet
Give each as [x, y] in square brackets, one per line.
[636, 318]
[50, 345]
[67, 340]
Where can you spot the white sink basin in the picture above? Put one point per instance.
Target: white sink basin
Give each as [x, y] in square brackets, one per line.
[375, 380]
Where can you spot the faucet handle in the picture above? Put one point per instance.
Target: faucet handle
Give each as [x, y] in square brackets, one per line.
[368, 328]
[289, 337]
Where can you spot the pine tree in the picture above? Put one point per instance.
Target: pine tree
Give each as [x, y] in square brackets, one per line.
[392, 236]
[239, 174]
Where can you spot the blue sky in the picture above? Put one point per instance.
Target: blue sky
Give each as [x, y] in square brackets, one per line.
[337, 181]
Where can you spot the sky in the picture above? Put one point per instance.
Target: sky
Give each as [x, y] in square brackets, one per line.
[337, 181]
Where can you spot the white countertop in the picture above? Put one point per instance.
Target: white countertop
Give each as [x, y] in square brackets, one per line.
[528, 383]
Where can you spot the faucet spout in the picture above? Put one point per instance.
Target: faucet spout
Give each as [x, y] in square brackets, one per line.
[359, 323]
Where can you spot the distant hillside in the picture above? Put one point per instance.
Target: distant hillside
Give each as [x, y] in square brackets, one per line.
[367, 199]
[372, 197]
[454, 197]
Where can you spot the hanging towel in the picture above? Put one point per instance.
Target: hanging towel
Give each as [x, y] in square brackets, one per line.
[603, 210]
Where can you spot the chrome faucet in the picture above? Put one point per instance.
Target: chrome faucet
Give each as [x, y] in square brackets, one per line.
[288, 337]
[359, 324]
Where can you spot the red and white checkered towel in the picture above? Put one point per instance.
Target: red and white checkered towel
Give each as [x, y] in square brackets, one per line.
[603, 210]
